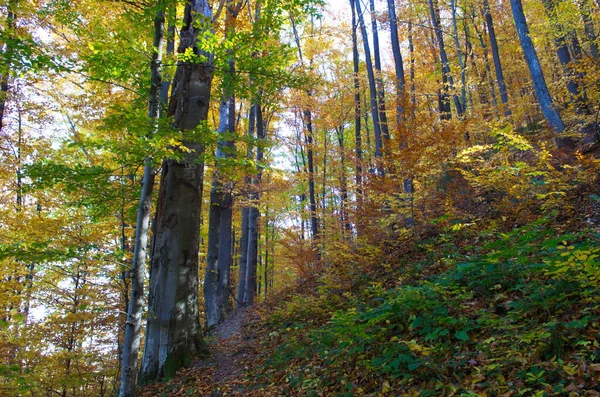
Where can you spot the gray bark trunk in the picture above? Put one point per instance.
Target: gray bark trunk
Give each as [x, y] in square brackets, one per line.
[447, 80]
[173, 334]
[372, 86]
[216, 279]
[243, 259]
[535, 69]
[399, 68]
[496, 56]
[133, 326]
[254, 215]
[357, 110]
[8, 54]
[378, 79]
[461, 61]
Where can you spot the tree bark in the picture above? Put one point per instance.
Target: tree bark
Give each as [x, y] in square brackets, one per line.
[461, 61]
[447, 80]
[372, 87]
[254, 215]
[216, 279]
[133, 326]
[378, 79]
[8, 54]
[535, 69]
[173, 333]
[357, 111]
[399, 69]
[496, 57]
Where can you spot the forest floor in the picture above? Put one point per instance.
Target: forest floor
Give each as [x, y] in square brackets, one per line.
[223, 373]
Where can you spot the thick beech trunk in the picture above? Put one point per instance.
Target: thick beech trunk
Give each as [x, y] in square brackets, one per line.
[535, 69]
[173, 334]
[133, 326]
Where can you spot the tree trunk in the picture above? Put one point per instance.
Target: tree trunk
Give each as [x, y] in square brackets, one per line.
[378, 79]
[496, 56]
[5, 69]
[254, 214]
[372, 87]
[562, 36]
[488, 68]
[535, 69]
[357, 112]
[447, 80]
[461, 61]
[173, 333]
[399, 69]
[133, 326]
[218, 266]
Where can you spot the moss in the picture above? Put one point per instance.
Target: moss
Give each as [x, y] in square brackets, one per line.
[178, 359]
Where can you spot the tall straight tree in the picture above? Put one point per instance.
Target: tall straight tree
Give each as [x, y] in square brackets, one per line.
[173, 333]
[218, 258]
[309, 141]
[399, 67]
[7, 57]
[535, 68]
[357, 109]
[372, 86]
[459, 54]
[253, 211]
[489, 22]
[447, 80]
[378, 79]
[133, 326]
[563, 38]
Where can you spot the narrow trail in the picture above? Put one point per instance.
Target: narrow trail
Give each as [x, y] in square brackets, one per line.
[221, 374]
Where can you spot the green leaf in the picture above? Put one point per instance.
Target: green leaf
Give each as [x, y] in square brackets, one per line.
[461, 335]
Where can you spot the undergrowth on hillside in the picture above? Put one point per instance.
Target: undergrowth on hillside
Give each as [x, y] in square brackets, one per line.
[515, 313]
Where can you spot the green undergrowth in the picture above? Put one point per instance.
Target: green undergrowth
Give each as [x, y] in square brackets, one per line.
[513, 314]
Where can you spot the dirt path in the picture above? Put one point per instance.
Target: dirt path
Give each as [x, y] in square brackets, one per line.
[220, 375]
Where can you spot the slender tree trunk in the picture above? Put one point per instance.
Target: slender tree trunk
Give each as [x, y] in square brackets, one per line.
[496, 56]
[447, 80]
[6, 69]
[173, 333]
[343, 183]
[562, 36]
[357, 112]
[254, 213]
[399, 69]
[535, 69]
[461, 60]
[372, 87]
[216, 279]
[378, 79]
[411, 49]
[590, 33]
[133, 326]
[488, 68]
[309, 140]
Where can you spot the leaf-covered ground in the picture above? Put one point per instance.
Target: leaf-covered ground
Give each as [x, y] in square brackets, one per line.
[509, 314]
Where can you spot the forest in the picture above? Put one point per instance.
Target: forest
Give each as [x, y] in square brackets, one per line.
[299, 198]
